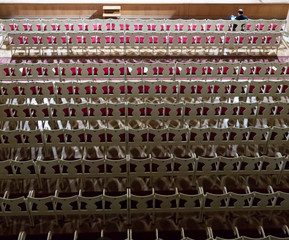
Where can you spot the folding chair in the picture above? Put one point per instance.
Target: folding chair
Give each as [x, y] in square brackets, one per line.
[279, 136]
[65, 205]
[218, 25]
[163, 203]
[195, 25]
[139, 203]
[56, 41]
[216, 202]
[115, 204]
[14, 206]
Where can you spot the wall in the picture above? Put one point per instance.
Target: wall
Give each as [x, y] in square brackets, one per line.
[261, 10]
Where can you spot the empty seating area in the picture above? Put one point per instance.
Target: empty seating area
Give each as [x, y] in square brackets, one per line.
[138, 37]
[162, 147]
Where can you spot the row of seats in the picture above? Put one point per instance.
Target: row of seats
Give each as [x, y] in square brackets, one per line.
[130, 235]
[106, 90]
[141, 70]
[142, 40]
[146, 25]
[131, 168]
[146, 136]
[154, 202]
[144, 111]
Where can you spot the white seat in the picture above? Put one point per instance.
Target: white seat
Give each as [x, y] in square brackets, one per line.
[229, 111]
[169, 88]
[251, 165]
[242, 201]
[136, 111]
[94, 168]
[228, 165]
[157, 136]
[259, 135]
[282, 110]
[109, 70]
[116, 111]
[91, 204]
[60, 111]
[199, 136]
[54, 137]
[114, 204]
[51, 25]
[158, 70]
[259, 89]
[155, 111]
[175, 25]
[97, 24]
[173, 111]
[193, 202]
[165, 203]
[239, 136]
[13, 206]
[142, 167]
[139, 204]
[236, 40]
[118, 168]
[138, 136]
[71, 168]
[188, 71]
[115, 137]
[217, 202]
[161, 167]
[10, 139]
[117, 88]
[268, 109]
[248, 110]
[137, 40]
[19, 41]
[39, 206]
[207, 165]
[68, 71]
[95, 137]
[195, 25]
[156, 41]
[55, 40]
[65, 205]
[48, 169]
[218, 25]
[265, 200]
[211, 111]
[187, 89]
[279, 136]
[284, 197]
[238, 88]
[6, 169]
[225, 70]
[215, 40]
[69, 25]
[23, 169]
[134, 88]
[137, 25]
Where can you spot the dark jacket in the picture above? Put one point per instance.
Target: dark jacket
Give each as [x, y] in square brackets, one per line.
[242, 17]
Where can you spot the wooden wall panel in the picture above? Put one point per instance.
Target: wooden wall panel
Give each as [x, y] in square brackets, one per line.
[213, 11]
